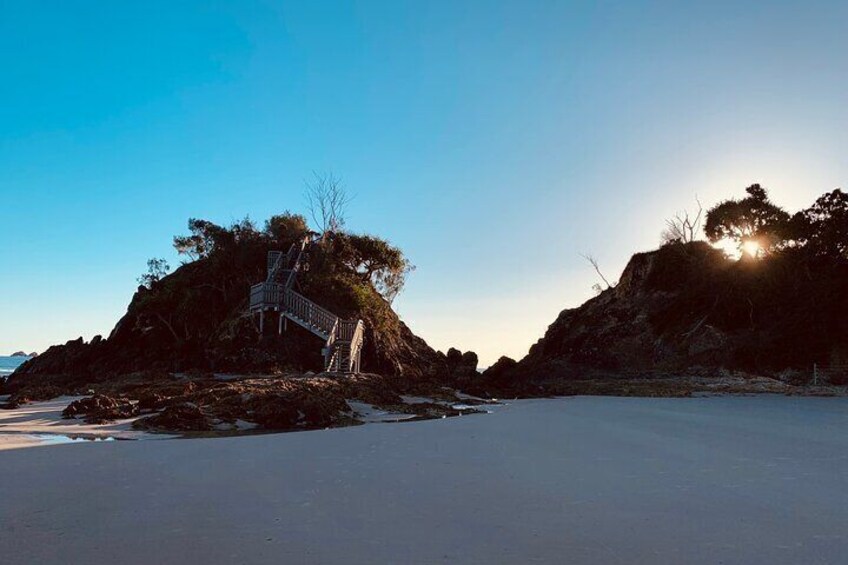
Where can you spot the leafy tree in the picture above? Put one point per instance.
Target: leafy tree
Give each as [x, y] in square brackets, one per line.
[375, 260]
[286, 226]
[823, 227]
[754, 217]
[156, 269]
[207, 237]
[201, 242]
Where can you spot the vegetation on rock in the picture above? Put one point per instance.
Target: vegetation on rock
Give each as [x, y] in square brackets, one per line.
[196, 317]
[688, 305]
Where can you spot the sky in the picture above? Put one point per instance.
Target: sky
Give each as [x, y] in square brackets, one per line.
[494, 142]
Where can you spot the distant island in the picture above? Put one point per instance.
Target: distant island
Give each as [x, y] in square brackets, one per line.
[23, 354]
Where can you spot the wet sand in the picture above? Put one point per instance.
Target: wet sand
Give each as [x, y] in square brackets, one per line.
[577, 480]
[41, 423]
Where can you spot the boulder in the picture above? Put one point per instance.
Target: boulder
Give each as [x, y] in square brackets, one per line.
[186, 417]
[501, 368]
[461, 365]
[101, 408]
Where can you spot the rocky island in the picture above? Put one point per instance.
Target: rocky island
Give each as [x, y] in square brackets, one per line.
[189, 354]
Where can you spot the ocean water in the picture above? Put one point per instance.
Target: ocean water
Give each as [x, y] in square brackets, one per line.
[9, 364]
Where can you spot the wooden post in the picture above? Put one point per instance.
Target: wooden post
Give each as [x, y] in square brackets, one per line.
[280, 324]
[262, 322]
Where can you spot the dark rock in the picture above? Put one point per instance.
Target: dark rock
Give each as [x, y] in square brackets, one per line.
[501, 368]
[300, 409]
[461, 365]
[185, 417]
[454, 358]
[468, 363]
[101, 408]
[151, 401]
[35, 394]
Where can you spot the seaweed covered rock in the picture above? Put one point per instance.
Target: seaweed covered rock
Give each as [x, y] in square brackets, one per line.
[101, 408]
[184, 417]
[302, 409]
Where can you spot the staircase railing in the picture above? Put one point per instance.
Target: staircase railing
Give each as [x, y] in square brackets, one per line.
[266, 293]
[276, 262]
[331, 351]
[279, 263]
[357, 340]
[295, 255]
[313, 315]
[342, 336]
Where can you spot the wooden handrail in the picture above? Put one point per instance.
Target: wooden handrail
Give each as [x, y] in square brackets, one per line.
[308, 311]
[266, 293]
[342, 336]
[275, 265]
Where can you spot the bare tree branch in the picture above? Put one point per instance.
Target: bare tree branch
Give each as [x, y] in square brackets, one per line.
[327, 201]
[683, 227]
[594, 263]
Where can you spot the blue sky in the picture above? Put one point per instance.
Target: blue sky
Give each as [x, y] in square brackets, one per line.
[493, 141]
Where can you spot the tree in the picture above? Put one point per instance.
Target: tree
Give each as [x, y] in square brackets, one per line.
[156, 270]
[286, 226]
[683, 227]
[327, 200]
[207, 237]
[201, 241]
[375, 260]
[823, 227]
[753, 218]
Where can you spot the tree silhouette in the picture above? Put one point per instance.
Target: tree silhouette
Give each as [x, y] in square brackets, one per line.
[823, 227]
[753, 218]
[156, 269]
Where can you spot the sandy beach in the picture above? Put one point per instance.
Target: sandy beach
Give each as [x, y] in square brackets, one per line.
[577, 480]
[41, 422]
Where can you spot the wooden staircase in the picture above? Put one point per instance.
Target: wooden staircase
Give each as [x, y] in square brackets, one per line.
[343, 339]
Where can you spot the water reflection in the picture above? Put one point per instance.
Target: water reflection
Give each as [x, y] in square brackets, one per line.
[54, 439]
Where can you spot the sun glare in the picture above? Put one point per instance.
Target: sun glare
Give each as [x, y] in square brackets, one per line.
[751, 247]
[730, 247]
[733, 250]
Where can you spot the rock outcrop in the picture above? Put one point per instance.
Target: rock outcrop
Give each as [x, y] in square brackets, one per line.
[687, 305]
[203, 403]
[195, 319]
